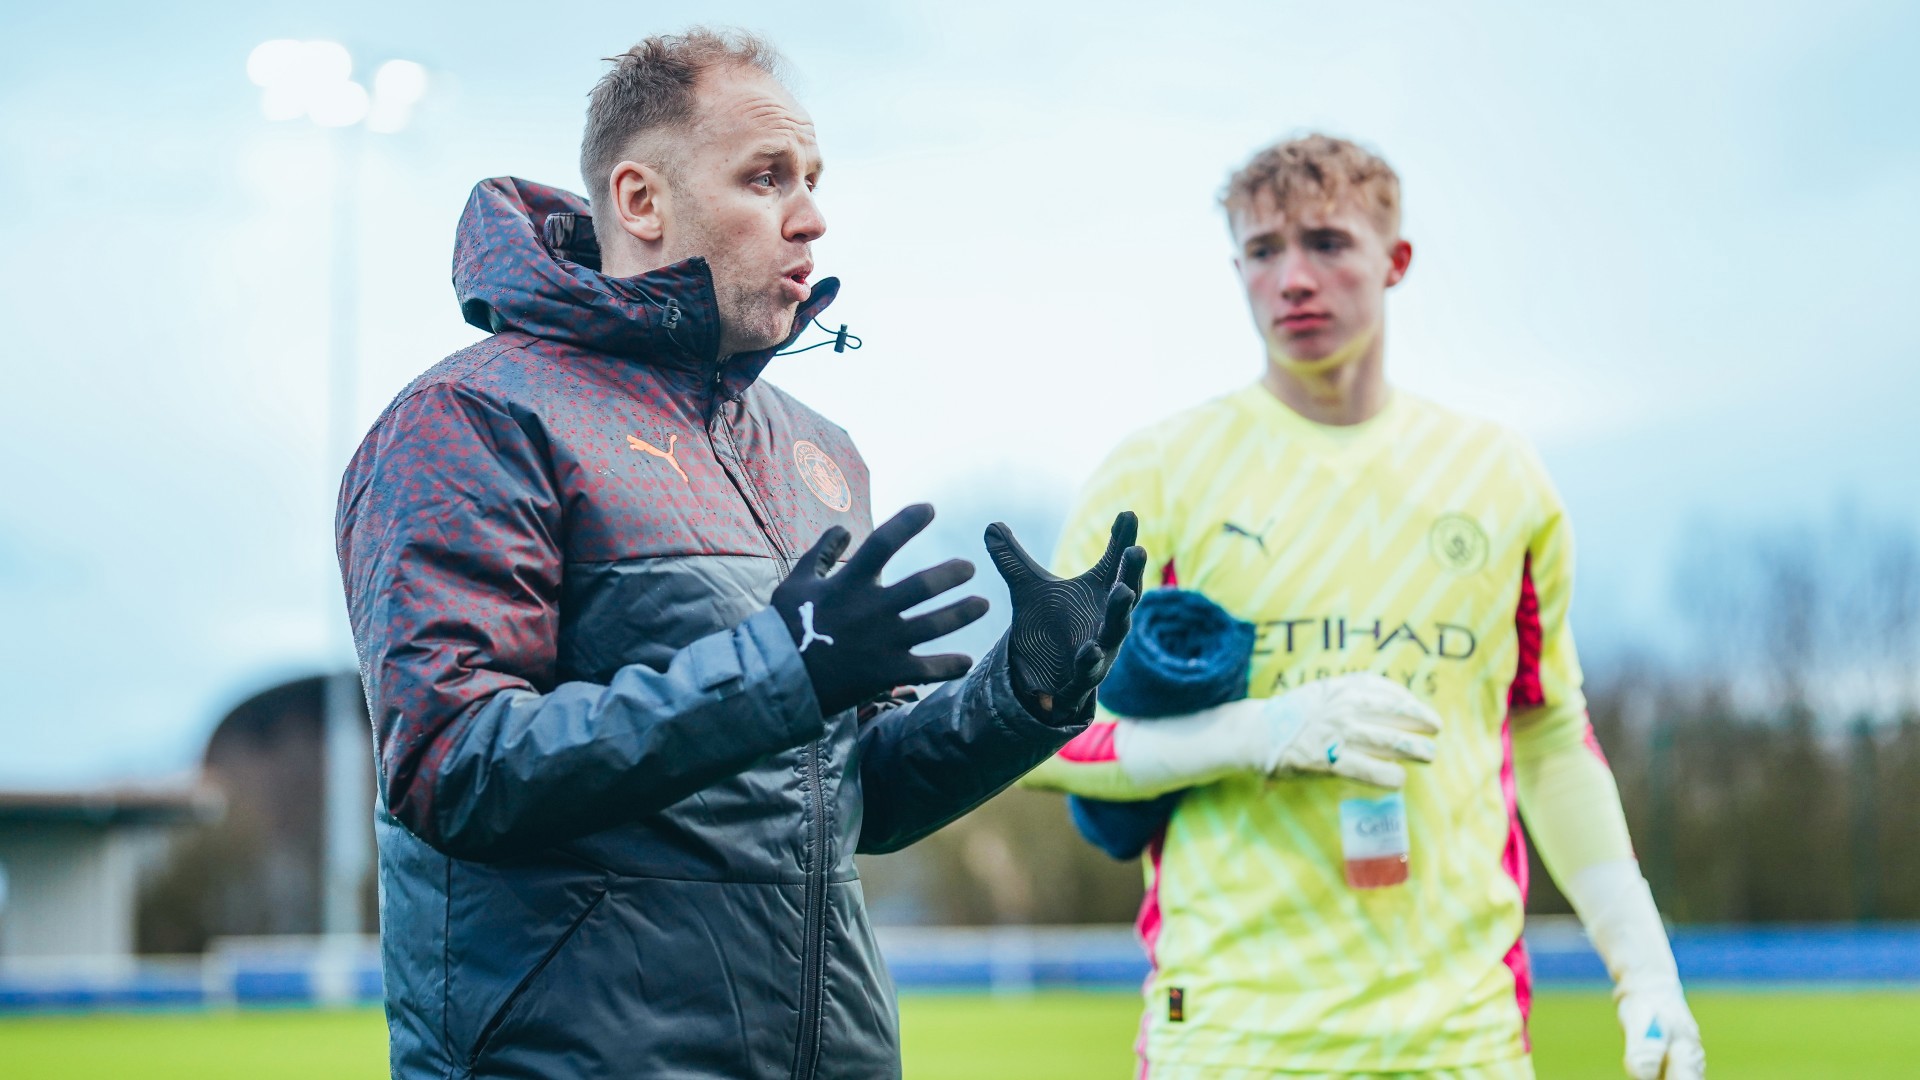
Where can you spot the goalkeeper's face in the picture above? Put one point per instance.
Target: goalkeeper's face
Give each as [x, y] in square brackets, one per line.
[1316, 279]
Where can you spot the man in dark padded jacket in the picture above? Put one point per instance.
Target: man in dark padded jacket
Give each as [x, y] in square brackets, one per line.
[623, 674]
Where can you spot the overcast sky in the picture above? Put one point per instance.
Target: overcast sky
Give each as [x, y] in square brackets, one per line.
[1671, 243]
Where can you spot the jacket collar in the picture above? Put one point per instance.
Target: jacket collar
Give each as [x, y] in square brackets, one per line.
[525, 259]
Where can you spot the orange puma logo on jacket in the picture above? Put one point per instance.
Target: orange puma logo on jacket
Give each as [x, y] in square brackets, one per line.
[639, 443]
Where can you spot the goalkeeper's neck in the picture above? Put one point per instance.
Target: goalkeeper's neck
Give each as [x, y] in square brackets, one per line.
[1346, 387]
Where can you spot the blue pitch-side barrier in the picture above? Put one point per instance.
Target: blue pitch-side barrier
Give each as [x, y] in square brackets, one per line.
[1001, 960]
[1095, 958]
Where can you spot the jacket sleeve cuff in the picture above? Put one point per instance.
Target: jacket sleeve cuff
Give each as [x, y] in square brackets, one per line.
[1003, 704]
[789, 690]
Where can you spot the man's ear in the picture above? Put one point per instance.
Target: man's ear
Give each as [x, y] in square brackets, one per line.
[1400, 256]
[639, 201]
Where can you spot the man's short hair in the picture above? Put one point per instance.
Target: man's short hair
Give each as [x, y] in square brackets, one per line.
[1318, 172]
[652, 87]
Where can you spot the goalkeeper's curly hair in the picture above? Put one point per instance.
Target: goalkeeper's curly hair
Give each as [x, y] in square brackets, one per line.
[1318, 172]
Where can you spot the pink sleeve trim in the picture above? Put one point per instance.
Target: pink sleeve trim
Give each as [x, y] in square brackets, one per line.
[1525, 692]
[1092, 746]
[1513, 860]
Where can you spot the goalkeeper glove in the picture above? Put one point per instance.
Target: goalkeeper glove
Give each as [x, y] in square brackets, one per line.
[1360, 727]
[1066, 631]
[1615, 905]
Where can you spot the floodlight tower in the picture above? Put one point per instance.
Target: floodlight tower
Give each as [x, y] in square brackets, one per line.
[314, 80]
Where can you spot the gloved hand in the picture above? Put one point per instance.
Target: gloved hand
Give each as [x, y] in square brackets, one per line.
[1616, 907]
[1066, 630]
[1663, 1041]
[848, 626]
[1360, 726]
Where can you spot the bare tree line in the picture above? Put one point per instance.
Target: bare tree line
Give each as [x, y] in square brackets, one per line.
[1772, 773]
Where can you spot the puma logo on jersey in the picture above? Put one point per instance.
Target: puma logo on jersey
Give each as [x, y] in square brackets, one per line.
[1259, 538]
[639, 443]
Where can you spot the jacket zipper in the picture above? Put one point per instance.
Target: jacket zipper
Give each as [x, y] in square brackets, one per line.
[813, 955]
[813, 977]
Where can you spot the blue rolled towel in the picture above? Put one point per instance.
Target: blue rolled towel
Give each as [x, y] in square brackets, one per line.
[1184, 653]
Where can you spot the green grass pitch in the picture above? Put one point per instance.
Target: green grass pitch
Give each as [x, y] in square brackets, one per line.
[1054, 1036]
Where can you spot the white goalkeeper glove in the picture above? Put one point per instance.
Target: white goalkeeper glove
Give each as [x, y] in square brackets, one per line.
[1663, 1041]
[1360, 726]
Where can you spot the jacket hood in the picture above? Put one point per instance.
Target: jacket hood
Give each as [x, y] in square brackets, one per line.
[525, 259]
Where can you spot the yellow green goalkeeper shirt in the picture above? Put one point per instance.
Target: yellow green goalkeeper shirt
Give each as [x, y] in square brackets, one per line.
[1426, 546]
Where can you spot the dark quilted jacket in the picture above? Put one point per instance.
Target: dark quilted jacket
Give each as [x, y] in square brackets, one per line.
[616, 835]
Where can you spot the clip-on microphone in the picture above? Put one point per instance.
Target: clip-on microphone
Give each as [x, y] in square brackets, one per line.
[841, 341]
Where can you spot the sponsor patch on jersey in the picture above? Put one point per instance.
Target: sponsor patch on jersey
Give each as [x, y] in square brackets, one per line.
[822, 476]
[1458, 543]
[1176, 1005]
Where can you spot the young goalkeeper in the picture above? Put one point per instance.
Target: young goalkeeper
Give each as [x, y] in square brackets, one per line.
[1302, 922]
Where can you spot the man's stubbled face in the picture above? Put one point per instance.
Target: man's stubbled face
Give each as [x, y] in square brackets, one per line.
[742, 197]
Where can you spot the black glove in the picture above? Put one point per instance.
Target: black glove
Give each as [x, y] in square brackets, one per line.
[852, 638]
[1066, 630]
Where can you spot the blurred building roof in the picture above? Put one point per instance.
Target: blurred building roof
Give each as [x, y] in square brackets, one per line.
[110, 806]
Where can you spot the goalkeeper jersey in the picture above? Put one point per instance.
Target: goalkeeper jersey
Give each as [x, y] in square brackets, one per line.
[1423, 545]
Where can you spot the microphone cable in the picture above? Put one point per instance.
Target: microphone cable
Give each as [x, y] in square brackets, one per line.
[841, 341]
